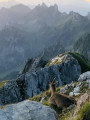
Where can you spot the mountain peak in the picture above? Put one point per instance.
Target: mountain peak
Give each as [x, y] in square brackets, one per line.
[88, 15]
[44, 5]
[20, 9]
[20, 6]
[75, 15]
[56, 6]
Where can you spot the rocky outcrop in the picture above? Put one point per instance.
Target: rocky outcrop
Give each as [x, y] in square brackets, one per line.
[64, 67]
[33, 64]
[27, 110]
[84, 76]
[75, 89]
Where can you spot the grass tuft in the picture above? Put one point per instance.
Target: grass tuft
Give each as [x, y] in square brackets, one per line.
[85, 112]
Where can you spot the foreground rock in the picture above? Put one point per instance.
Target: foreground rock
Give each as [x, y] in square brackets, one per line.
[35, 81]
[27, 110]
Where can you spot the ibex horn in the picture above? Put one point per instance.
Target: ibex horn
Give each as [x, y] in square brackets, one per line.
[54, 80]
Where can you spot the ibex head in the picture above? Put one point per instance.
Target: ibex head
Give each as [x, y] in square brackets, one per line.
[52, 86]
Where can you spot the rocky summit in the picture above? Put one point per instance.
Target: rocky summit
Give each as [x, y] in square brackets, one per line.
[64, 68]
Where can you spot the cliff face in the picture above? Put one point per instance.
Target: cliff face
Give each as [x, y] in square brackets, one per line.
[35, 81]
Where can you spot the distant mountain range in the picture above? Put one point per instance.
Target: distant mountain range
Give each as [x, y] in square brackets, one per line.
[25, 32]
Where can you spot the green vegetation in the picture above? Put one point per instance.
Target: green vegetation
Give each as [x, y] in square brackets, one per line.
[66, 114]
[2, 84]
[2, 107]
[84, 113]
[85, 66]
[39, 97]
[84, 87]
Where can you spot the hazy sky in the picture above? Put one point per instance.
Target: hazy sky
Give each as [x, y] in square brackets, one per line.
[82, 6]
[34, 2]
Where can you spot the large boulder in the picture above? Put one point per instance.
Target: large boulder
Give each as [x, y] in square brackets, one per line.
[27, 110]
[64, 67]
[84, 76]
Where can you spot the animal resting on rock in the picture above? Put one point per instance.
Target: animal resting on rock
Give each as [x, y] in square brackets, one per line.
[60, 100]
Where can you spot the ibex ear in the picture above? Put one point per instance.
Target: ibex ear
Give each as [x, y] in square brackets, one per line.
[54, 80]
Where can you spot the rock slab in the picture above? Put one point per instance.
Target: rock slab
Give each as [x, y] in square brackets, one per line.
[27, 110]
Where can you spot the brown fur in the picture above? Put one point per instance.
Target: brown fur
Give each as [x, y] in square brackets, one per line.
[59, 100]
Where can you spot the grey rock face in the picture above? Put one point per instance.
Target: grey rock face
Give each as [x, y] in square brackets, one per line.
[27, 110]
[10, 93]
[33, 64]
[84, 76]
[75, 88]
[35, 82]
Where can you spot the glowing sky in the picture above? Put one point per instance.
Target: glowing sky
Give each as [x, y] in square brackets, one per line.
[82, 6]
[34, 2]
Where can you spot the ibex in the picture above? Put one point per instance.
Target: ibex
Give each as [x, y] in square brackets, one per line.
[60, 100]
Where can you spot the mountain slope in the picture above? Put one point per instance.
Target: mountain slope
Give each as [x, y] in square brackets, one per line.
[25, 35]
[71, 27]
[82, 46]
[17, 45]
[13, 15]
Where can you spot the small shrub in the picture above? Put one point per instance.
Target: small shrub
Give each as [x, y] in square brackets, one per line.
[2, 83]
[2, 107]
[36, 98]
